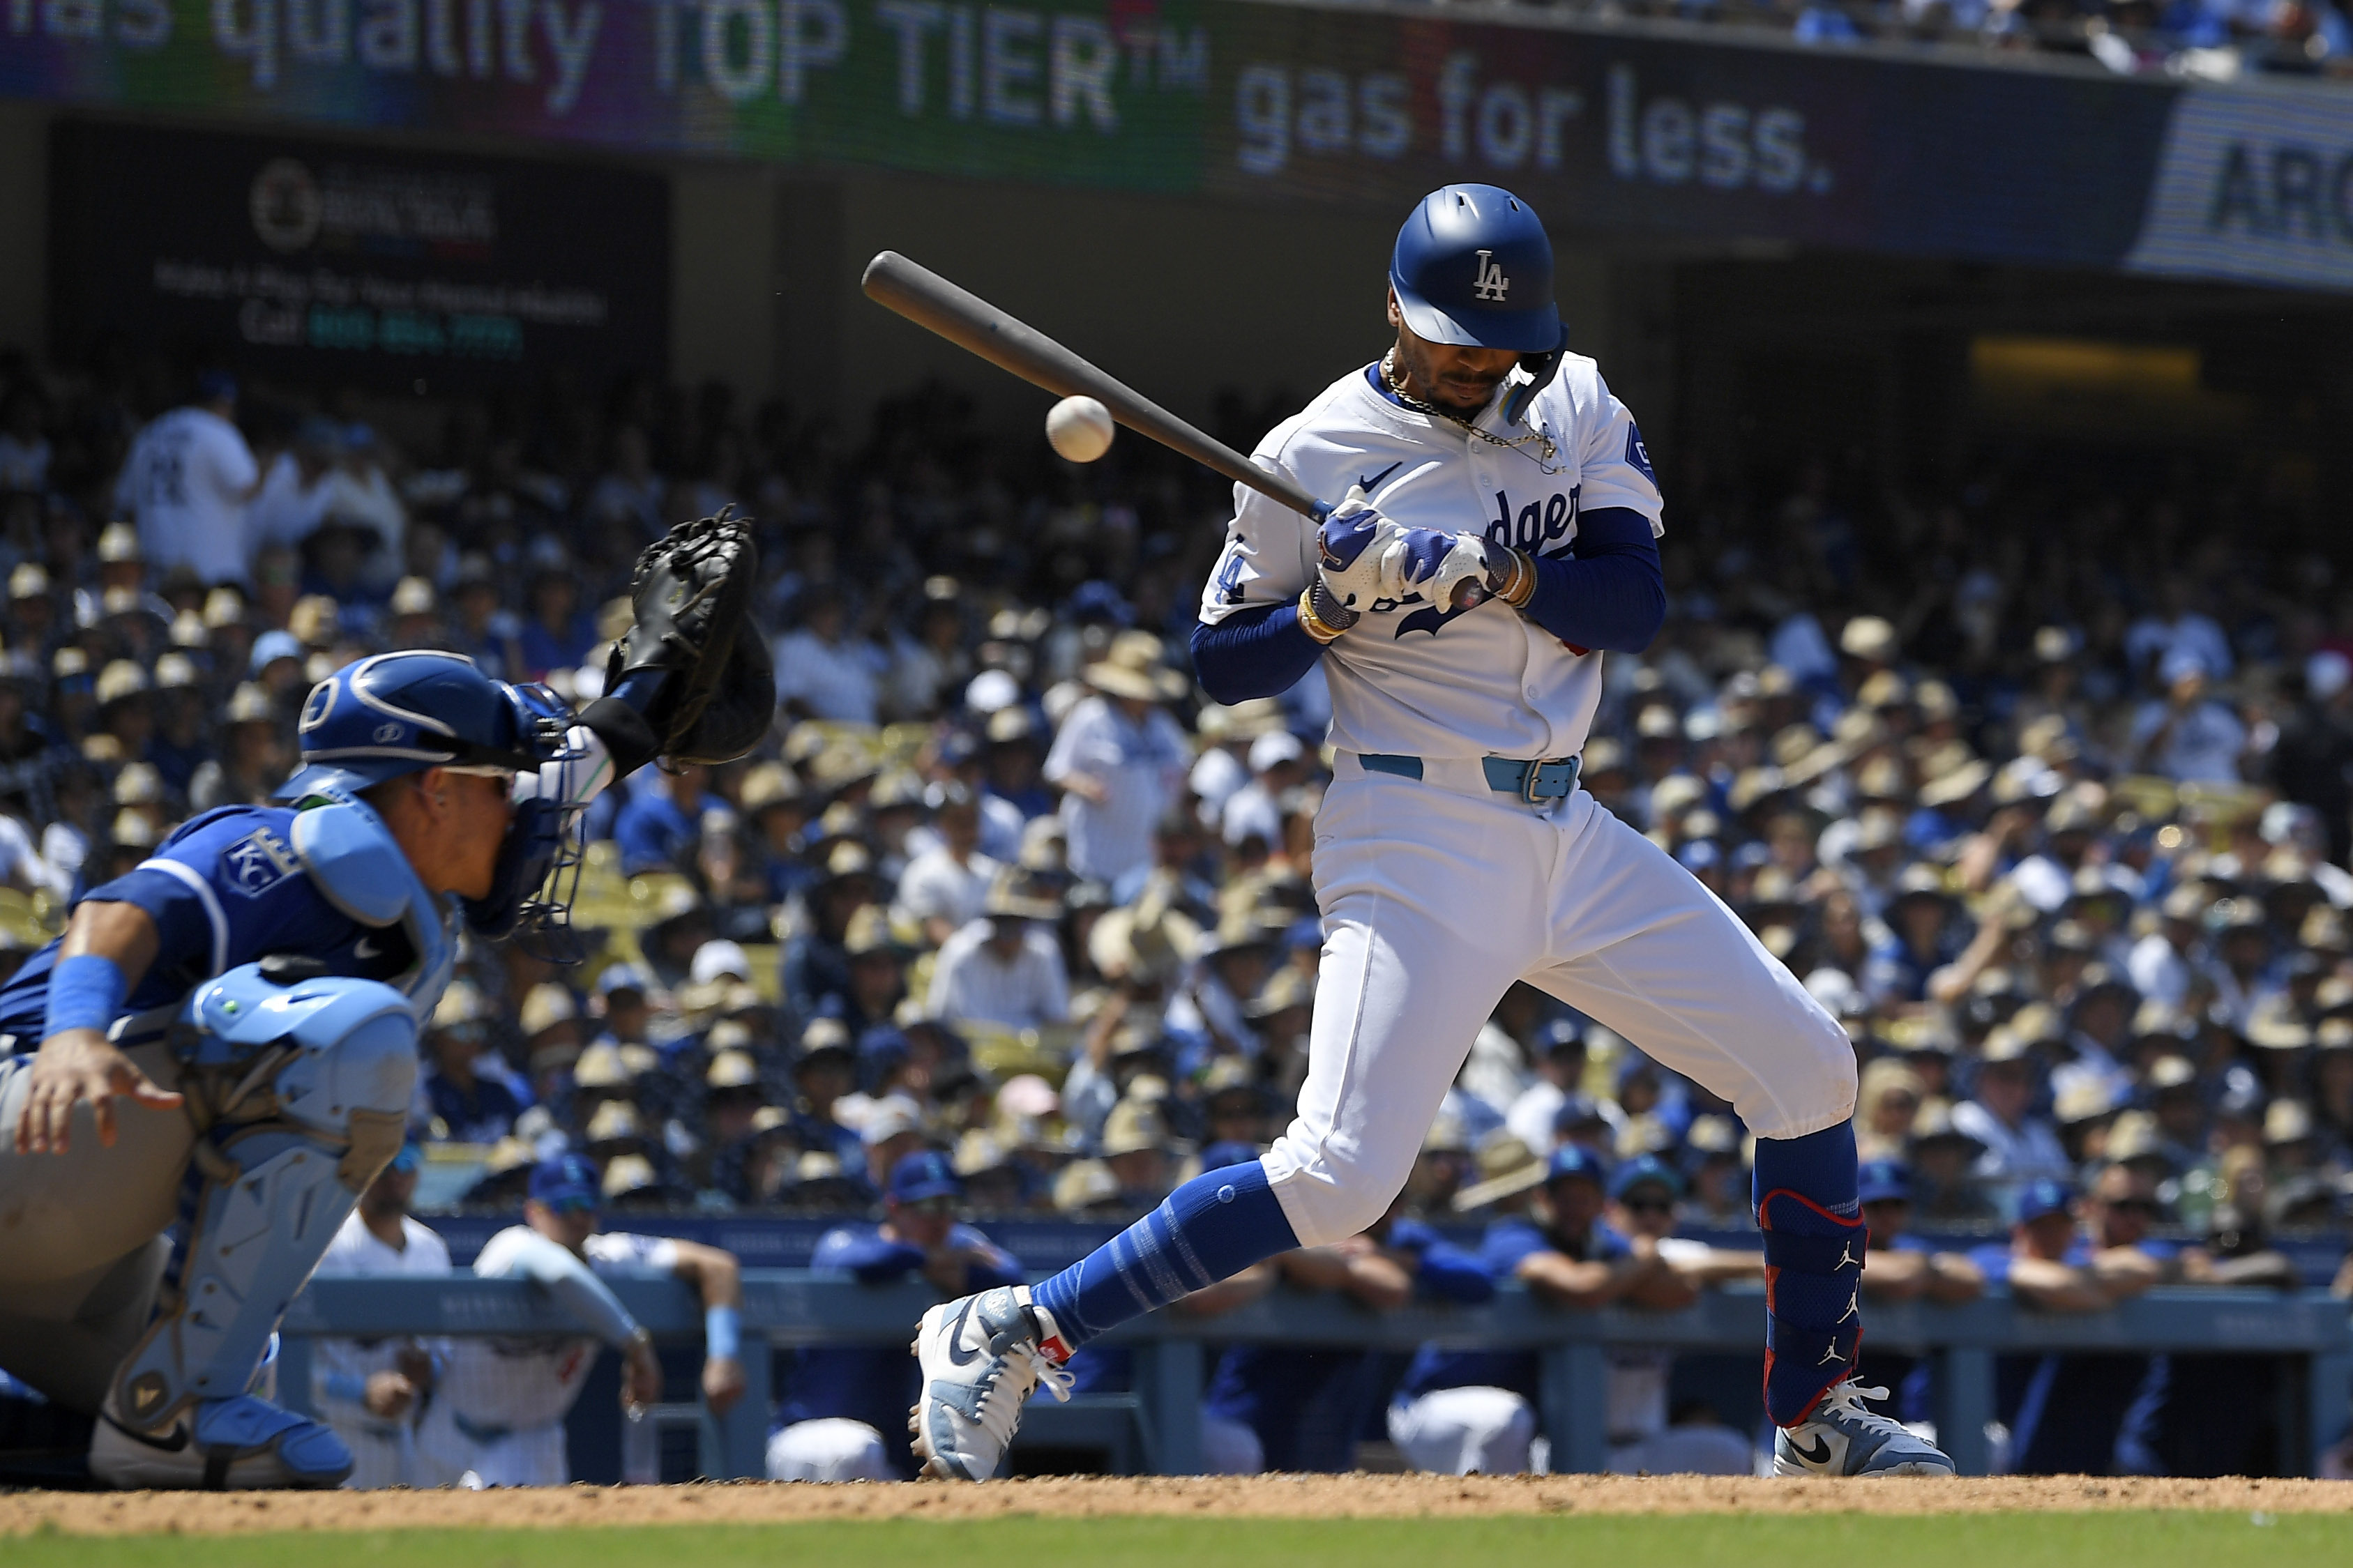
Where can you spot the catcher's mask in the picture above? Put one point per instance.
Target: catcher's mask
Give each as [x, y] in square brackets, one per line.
[397, 713]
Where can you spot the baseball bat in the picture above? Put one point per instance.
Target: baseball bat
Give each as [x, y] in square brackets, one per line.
[970, 322]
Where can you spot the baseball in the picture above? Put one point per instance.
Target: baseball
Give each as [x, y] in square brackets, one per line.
[1080, 429]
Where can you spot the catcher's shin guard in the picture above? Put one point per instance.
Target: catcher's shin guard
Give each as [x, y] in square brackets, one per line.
[300, 1093]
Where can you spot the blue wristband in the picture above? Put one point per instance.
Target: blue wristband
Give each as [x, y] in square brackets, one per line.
[85, 992]
[723, 1333]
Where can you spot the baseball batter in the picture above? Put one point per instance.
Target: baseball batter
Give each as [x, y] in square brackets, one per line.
[1497, 534]
[227, 1033]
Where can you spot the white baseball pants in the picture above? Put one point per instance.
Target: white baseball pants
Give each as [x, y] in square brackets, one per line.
[530, 1456]
[1438, 894]
[1468, 1431]
[831, 1448]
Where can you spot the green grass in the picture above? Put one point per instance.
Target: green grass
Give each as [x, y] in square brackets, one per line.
[2120, 1539]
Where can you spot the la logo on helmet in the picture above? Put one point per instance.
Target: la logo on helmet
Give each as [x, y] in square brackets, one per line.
[1490, 283]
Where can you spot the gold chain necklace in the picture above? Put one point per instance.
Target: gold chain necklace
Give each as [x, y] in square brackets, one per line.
[1545, 450]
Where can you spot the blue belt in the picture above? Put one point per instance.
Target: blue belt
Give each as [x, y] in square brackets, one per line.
[1531, 781]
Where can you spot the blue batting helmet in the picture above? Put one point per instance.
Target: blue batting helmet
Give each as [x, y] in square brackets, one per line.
[403, 712]
[1472, 267]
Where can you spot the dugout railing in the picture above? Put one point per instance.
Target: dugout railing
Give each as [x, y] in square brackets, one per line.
[1158, 1424]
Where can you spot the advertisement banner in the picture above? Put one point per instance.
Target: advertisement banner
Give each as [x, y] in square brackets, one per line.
[2256, 186]
[1632, 131]
[379, 266]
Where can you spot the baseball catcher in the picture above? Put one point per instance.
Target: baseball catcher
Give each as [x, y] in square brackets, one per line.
[228, 1032]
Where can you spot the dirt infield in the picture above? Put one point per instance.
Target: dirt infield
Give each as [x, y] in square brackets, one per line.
[1263, 1497]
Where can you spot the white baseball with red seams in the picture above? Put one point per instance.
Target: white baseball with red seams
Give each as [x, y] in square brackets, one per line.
[1438, 893]
[1080, 429]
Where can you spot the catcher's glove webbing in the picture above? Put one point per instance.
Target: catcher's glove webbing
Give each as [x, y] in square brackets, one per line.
[691, 598]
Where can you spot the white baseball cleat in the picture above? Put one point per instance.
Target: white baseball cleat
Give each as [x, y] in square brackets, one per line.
[239, 1443]
[1844, 1438]
[981, 1358]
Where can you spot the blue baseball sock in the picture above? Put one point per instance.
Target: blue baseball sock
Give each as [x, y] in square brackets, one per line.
[1814, 1235]
[1212, 1228]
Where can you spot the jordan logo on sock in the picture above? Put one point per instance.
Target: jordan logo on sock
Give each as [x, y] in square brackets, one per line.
[1830, 1356]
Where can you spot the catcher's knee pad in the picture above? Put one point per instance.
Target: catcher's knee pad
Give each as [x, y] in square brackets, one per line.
[302, 1092]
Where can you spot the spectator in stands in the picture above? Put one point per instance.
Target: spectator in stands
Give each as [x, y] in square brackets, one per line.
[1293, 1407]
[2019, 1144]
[1118, 759]
[371, 1391]
[1900, 1267]
[843, 1417]
[2055, 1268]
[1647, 1434]
[2186, 734]
[945, 888]
[470, 1093]
[1006, 966]
[824, 671]
[188, 482]
[1463, 1411]
[660, 828]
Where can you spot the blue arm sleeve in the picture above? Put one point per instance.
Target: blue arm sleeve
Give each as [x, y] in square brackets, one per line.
[1610, 594]
[1257, 652]
[576, 1289]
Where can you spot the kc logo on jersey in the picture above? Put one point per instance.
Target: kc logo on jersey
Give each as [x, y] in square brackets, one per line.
[1490, 283]
[258, 862]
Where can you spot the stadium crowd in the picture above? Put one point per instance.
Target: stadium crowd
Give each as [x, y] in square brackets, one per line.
[2210, 40]
[2046, 795]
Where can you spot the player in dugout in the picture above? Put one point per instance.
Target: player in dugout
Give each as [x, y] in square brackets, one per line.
[227, 1033]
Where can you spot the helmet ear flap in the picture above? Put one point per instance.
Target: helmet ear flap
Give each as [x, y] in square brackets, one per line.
[1539, 369]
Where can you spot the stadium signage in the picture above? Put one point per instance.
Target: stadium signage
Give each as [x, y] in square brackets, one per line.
[1637, 131]
[2253, 187]
[388, 266]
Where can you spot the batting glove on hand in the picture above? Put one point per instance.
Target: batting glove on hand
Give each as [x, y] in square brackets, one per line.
[1356, 551]
[1461, 569]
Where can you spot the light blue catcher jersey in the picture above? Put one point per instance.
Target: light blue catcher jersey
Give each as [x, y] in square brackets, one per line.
[230, 887]
[1414, 678]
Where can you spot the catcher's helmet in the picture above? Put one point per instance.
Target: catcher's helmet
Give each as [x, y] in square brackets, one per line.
[402, 713]
[1472, 267]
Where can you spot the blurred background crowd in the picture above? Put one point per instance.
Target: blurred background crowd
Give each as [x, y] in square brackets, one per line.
[2211, 40]
[2043, 788]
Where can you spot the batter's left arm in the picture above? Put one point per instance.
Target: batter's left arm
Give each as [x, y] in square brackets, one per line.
[1611, 595]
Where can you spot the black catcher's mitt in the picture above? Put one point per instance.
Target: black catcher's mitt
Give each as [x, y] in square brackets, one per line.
[691, 594]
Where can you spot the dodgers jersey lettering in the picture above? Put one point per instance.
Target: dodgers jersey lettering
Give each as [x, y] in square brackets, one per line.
[1413, 676]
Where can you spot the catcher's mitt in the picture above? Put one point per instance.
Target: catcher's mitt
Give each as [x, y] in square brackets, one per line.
[691, 598]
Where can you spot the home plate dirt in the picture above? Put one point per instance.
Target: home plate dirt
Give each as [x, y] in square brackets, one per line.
[1296, 1497]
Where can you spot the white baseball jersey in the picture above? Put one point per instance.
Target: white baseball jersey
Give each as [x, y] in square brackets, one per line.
[1414, 678]
[382, 1451]
[356, 1251]
[186, 480]
[494, 1383]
